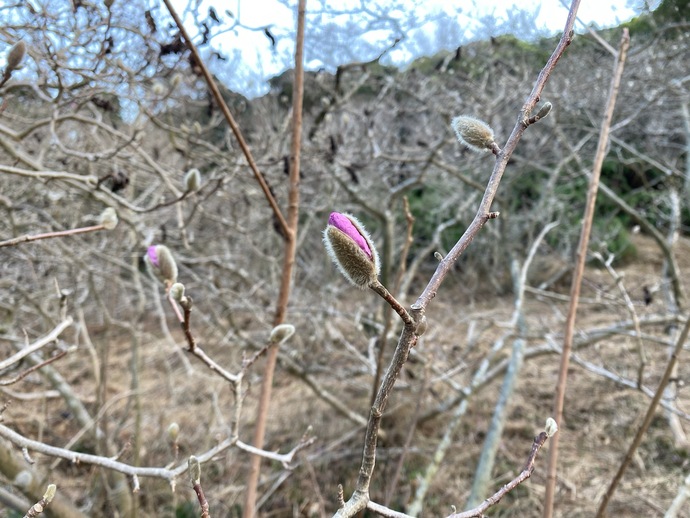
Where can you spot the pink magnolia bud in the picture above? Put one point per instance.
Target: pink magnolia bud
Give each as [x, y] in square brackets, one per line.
[161, 264]
[351, 249]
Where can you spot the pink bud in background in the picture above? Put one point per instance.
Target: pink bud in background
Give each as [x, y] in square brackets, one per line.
[152, 255]
[351, 249]
[161, 264]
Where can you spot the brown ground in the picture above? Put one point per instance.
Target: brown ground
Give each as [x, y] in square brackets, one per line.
[601, 416]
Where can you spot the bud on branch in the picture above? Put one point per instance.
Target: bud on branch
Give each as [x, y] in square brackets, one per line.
[351, 249]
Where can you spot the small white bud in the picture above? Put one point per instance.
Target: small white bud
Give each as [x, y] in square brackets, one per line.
[194, 470]
[50, 493]
[158, 89]
[475, 134]
[177, 291]
[281, 333]
[173, 432]
[108, 218]
[421, 326]
[15, 56]
[544, 110]
[551, 427]
[192, 179]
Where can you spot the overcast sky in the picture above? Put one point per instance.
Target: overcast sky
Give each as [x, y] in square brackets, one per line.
[450, 24]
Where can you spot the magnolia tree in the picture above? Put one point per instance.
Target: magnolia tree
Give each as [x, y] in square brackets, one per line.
[164, 254]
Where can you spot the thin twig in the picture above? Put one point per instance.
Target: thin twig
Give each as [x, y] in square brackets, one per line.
[641, 352]
[192, 346]
[50, 235]
[38, 344]
[526, 472]
[31, 369]
[387, 313]
[195, 476]
[290, 234]
[40, 506]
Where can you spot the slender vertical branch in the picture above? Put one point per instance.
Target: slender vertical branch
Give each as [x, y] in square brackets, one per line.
[580, 267]
[388, 310]
[288, 263]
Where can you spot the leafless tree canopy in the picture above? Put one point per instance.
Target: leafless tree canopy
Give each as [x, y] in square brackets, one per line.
[111, 379]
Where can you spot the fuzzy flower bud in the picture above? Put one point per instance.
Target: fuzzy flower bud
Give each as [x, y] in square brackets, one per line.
[551, 427]
[192, 179]
[161, 264]
[473, 133]
[194, 470]
[173, 432]
[108, 218]
[15, 56]
[177, 291]
[158, 89]
[351, 249]
[281, 333]
[544, 110]
[421, 326]
[50, 493]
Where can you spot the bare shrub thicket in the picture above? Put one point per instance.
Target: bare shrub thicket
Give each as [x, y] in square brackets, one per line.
[108, 110]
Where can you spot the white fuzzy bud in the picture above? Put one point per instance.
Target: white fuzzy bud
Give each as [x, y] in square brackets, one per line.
[15, 56]
[192, 179]
[173, 432]
[544, 110]
[158, 89]
[108, 218]
[161, 264]
[177, 291]
[281, 333]
[475, 134]
[551, 427]
[194, 470]
[50, 493]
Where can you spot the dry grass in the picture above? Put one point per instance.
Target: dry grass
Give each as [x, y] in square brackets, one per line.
[600, 416]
